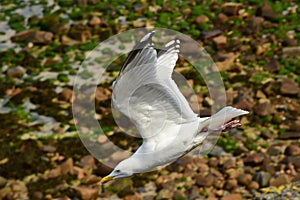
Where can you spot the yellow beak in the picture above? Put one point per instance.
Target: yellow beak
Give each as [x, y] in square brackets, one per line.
[106, 179]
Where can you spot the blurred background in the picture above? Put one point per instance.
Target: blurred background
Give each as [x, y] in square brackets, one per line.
[256, 46]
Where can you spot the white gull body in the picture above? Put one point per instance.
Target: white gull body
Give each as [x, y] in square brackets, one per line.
[146, 93]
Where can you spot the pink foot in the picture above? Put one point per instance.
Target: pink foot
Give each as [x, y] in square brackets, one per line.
[226, 127]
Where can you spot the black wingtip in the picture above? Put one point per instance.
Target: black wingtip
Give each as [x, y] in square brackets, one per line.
[148, 36]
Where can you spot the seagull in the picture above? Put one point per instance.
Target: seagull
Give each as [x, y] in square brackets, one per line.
[145, 92]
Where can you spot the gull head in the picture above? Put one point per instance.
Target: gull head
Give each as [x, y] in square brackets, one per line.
[122, 170]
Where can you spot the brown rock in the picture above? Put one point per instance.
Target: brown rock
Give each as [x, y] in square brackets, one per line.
[254, 159]
[289, 87]
[222, 18]
[15, 71]
[40, 37]
[206, 181]
[232, 173]
[226, 61]
[292, 150]
[291, 51]
[67, 94]
[280, 180]
[266, 11]
[289, 42]
[263, 109]
[273, 65]
[87, 193]
[230, 163]
[289, 135]
[91, 179]
[256, 24]
[244, 179]
[253, 185]
[220, 41]
[262, 178]
[102, 94]
[233, 197]
[275, 150]
[201, 19]
[3, 181]
[231, 8]
[295, 160]
[231, 184]
[49, 148]
[207, 35]
[213, 162]
[296, 124]
[33, 36]
[88, 161]
[80, 32]
[95, 21]
[66, 166]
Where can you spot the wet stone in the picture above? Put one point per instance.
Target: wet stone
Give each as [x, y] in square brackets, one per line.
[262, 178]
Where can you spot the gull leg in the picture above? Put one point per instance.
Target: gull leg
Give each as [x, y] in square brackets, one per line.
[225, 127]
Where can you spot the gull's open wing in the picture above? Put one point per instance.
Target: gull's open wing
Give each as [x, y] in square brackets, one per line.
[143, 94]
[166, 61]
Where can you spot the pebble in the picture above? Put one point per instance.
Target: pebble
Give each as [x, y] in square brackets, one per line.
[273, 65]
[291, 51]
[206, 181]
[280, 180]
[289, 135]
[87, 193]
[231, 8]
[231, 184]
[254, 159]
[244, 179]
[15, 72]
[263, 109]
[201, 19]
[262, 178]
[289, 87]
[232, 197]
[253, 185]
[292, 150]
[220, 41]
[266, 11]
[207, 35]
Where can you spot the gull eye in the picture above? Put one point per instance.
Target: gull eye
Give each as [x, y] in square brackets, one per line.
[118, 170]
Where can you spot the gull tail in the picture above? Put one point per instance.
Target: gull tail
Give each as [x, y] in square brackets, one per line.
[223, 116]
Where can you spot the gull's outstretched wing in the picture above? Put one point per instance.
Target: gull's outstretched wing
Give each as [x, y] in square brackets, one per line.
[166, 62]
[143, 95]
